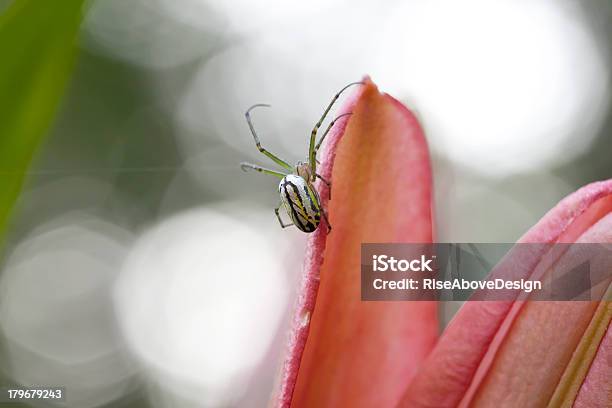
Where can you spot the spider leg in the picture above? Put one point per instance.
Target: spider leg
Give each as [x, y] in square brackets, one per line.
[329, 227]
[327, 183]
[249, 166]
[272, 156]
[280, 221]
[313, 134]
[328, 129]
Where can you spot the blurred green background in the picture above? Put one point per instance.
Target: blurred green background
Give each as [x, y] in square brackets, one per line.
[142, 268]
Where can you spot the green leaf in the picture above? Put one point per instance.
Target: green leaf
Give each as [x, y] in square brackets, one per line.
[37, 53]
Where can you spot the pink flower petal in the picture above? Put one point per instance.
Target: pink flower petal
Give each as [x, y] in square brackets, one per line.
[466, 357]
[345, 352]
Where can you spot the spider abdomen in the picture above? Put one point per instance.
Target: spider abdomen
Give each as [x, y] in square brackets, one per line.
[301, 202]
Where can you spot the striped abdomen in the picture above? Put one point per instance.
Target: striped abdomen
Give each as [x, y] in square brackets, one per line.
[301, 201]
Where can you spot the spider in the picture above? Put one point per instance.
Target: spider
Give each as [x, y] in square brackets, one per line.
[297, 193]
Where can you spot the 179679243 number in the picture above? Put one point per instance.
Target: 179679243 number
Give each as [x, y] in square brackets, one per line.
[9, 394]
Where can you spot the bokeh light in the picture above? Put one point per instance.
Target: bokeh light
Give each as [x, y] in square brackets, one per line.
[196, 309]
[504, 86]
[56, 313]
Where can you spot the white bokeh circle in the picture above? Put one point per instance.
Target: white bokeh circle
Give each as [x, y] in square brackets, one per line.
[55, 310]
[199, 302]
[503, 86]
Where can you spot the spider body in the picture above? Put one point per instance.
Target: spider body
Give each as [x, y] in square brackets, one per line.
[301, 201]
[296, 189]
